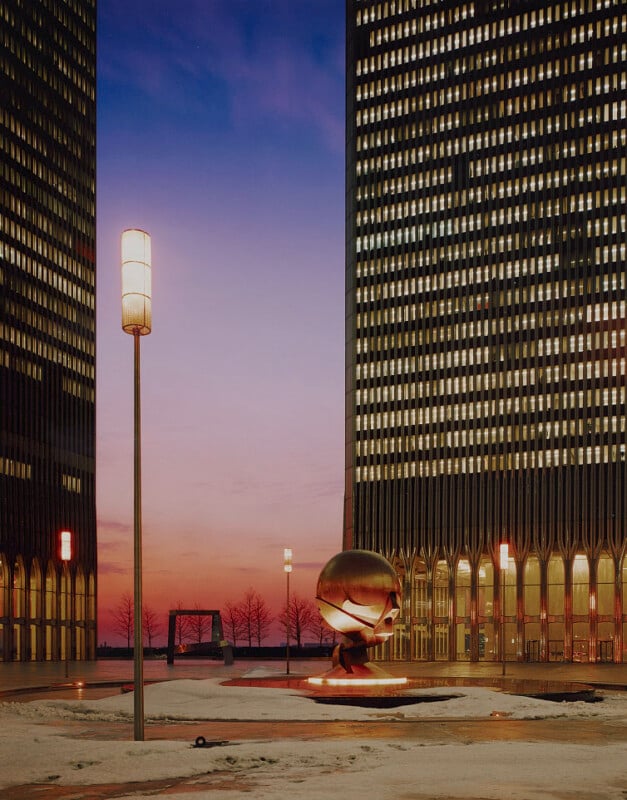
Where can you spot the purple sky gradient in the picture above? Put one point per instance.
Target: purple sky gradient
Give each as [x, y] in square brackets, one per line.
[221, 133]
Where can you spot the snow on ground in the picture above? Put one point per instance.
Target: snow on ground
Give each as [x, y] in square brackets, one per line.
[39, 745]
[186, 699]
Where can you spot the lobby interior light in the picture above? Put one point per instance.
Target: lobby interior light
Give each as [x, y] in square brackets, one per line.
[136, 282]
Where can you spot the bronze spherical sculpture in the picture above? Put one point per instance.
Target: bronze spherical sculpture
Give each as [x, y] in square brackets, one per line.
[358, 594]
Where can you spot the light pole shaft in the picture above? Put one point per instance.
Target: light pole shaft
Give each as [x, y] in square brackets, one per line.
[138, 679]
[287, 646]
[503, 619]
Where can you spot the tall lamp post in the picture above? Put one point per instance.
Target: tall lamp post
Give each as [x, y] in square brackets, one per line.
[137, 321]
[65, 552]
[287, 566]
[504, 559]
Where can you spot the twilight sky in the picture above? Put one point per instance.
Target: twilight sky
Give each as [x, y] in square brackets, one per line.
[221, 133]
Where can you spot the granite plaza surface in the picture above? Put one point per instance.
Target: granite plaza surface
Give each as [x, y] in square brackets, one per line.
[20, 676]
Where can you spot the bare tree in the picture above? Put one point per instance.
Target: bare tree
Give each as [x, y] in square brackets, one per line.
[263, 619]
[182, 626]
[234, 626]
[151, 625]
[322, 632]
[199, 625]
[302, 613]
[256, 617]
[123, 618]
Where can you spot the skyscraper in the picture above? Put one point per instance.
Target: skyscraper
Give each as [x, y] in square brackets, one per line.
[485, 321]
[47, 329]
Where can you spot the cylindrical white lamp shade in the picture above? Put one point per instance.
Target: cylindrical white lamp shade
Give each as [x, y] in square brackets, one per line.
[136, 282]
[287, 559]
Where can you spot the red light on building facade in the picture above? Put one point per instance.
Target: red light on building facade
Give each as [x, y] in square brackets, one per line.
[66, 545]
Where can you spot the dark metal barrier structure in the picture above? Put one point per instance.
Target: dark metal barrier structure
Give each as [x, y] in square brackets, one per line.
[217, 634]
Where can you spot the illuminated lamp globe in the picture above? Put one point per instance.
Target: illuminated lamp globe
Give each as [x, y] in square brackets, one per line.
[136, 282]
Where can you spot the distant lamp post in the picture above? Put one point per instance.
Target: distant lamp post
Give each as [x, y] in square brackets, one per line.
[287, 566]
[65, 553]
[504, 562]
[137, 321]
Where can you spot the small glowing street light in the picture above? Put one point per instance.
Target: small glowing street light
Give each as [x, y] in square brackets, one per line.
[65, 544]
[137, 321]
[287, 566]
[504, 563]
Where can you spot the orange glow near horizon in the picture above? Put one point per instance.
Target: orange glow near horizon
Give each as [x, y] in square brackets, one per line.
[207, 574]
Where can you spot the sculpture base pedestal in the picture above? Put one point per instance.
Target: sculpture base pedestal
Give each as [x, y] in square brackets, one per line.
[367, 674]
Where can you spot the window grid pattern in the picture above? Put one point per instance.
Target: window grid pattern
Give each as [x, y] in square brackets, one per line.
[486, 276]
[47, 298]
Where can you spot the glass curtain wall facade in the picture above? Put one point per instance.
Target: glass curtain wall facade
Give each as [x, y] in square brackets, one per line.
[47, 329]
[485, 319]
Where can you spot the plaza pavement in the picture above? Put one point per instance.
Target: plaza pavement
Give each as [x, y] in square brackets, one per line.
[38, 680]
[23, 676]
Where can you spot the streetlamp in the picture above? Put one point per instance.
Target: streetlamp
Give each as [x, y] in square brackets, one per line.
[137, 321]
[287, 566]
[504, 559]
[65, 552]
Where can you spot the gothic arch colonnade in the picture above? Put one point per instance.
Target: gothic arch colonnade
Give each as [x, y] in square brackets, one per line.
[47, 611]
[569, 607]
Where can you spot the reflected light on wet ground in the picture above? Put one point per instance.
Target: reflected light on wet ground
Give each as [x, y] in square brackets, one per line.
[541, 689]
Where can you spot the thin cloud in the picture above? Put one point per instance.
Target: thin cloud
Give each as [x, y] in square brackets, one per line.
[114, 526]
[264, 64]
[110, 568]
[328, 488]
[309, 564]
